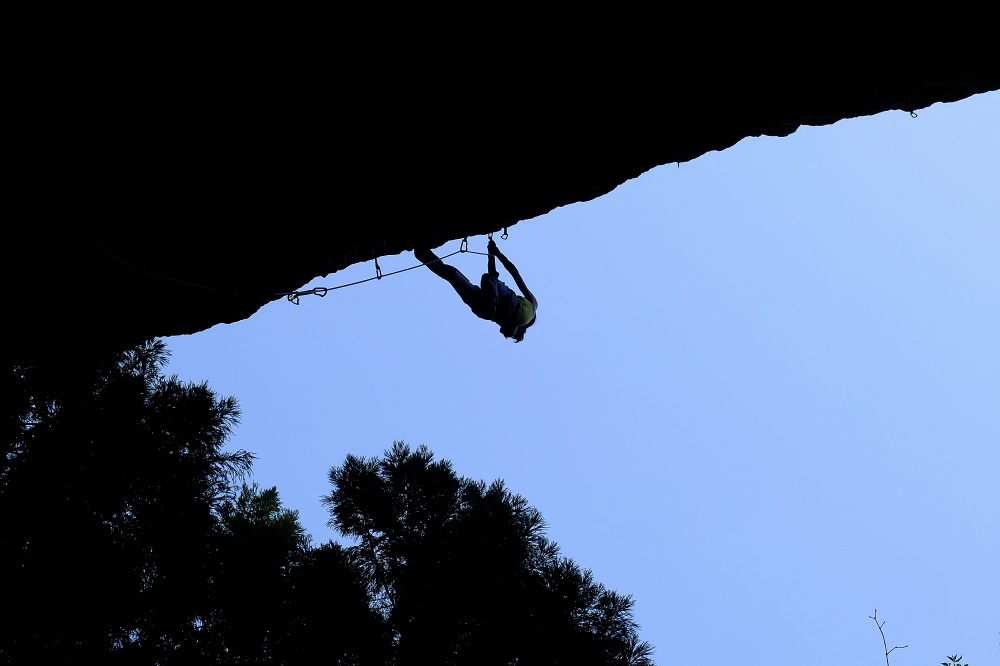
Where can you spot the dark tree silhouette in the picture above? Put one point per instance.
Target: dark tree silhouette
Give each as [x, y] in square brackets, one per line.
[126, 539]
[111, 476]
[249, 610]
[277, 600]
[464, 575]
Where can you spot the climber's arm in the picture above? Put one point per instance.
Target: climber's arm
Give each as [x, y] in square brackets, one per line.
[512, 269]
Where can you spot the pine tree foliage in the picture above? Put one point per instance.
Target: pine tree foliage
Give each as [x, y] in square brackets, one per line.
[464, 573]
[130, 538]
[111, 476]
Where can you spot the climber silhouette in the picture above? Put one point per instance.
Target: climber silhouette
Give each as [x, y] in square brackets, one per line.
[492, 299]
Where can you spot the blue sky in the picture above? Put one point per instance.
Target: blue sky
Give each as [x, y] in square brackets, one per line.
[762, 395]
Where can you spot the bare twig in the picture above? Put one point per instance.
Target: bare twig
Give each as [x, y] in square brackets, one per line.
[884, 644]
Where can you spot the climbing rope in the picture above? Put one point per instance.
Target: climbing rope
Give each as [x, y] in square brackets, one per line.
[292, 296]
[463, 248]
[159, 276]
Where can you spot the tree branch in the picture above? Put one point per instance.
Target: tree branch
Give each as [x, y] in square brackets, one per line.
[884, 644]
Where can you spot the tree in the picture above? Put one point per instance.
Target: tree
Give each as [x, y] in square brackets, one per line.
[275, 599]
[463, 573]
[127, 540]
[112, 476]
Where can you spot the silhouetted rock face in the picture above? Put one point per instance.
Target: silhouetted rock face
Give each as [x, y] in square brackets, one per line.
[165, 204]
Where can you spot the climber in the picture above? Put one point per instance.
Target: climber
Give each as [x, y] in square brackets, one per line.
[492, 299]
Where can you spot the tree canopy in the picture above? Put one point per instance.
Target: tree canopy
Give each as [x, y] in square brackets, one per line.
[130, 536]
[464, 574]
[111, 476]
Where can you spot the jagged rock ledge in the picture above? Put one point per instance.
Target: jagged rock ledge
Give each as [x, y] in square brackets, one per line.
[170, 207]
